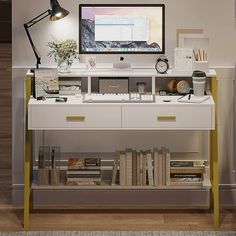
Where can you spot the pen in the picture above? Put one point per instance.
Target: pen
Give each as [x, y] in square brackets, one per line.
[200, 57]
[195, 55]
[189, 96]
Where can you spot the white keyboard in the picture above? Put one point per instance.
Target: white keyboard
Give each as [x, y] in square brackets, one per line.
[120, 97]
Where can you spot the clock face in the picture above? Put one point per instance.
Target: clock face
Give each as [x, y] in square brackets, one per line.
[161, 66]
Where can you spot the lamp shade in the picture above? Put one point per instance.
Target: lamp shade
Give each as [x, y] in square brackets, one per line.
[57, 11]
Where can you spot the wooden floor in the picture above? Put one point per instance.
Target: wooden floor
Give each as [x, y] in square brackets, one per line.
[11, 218]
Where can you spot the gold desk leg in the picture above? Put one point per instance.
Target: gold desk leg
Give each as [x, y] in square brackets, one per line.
[214, 159]
[27, 168]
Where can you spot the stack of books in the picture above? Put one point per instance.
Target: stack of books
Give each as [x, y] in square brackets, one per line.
[142, 168]
[184, 172]
[86, 171]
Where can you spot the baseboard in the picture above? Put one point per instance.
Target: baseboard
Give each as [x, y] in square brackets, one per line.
[227, 197]
[117, 199]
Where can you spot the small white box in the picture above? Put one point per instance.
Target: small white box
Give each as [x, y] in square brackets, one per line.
[183, 60]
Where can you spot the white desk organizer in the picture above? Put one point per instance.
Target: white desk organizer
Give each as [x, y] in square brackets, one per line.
[201, 65]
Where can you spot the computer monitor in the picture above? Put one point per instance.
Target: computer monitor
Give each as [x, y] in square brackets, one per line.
[122, 28]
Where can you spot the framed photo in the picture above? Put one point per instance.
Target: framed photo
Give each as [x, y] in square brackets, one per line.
[180, 32]
[46, 83]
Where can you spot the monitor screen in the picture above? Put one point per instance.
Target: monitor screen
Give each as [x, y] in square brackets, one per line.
[122, 29]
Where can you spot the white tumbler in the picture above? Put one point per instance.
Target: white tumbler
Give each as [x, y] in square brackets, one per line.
[199, 83]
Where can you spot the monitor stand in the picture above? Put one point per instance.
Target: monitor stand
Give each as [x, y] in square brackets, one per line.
[121, 65]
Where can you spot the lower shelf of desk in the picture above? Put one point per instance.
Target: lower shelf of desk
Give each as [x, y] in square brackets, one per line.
[118, 187]
[121, 197]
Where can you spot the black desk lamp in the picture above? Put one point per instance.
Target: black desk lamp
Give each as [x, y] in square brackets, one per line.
[56, 13]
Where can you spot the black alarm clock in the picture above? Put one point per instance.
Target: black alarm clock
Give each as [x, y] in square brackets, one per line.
[162, 65]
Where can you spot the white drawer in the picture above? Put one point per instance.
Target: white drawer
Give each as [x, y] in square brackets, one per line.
[73, 116]
[169, 117]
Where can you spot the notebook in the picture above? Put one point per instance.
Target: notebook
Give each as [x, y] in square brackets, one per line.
[189, 98]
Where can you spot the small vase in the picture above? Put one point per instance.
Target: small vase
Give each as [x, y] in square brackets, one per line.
[63, 67]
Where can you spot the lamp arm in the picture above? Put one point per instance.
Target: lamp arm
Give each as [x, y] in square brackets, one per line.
[27, 26]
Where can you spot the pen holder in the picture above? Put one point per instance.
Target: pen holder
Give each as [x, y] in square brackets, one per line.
[201, 65]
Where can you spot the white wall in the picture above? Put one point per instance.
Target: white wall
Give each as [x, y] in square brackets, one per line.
[215, 17]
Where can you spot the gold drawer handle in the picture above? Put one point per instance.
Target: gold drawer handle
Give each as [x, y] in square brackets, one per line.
[75, 118]
[166, 118]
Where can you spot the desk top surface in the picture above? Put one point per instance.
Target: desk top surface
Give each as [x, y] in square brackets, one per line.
[160, 100]
[124, 72]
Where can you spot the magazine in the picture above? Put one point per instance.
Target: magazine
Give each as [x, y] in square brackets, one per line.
[46, 83]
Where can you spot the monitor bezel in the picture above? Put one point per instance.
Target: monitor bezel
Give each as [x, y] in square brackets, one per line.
[124, 5]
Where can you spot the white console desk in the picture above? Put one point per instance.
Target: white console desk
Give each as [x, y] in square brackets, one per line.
[161, 115]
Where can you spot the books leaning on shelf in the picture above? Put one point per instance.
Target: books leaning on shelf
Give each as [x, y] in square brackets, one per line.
[115, 169]
[84, 171]
[143, 168]
[161, 166]
[187, 172]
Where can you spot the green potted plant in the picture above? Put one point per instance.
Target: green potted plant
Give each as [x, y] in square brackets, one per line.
[64, 52]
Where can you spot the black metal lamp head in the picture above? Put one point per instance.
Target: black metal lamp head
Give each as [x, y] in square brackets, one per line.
[57, 12]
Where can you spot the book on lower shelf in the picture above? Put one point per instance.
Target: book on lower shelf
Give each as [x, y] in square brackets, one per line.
[187, 172]
[134, 168]
[162, 166]
[155, 167]
[84, 171]
[122, 169]
[115, 169]
[128, 167]
[142, 168]
[82, 183]
[149, 168]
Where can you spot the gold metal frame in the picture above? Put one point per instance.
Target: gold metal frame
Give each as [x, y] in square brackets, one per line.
[27, 169]
[214, 157]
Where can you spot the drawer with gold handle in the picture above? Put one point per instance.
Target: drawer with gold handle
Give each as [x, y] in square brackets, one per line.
[74, 116]
[180, 116]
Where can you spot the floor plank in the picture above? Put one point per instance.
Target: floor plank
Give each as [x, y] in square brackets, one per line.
[11, 219]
